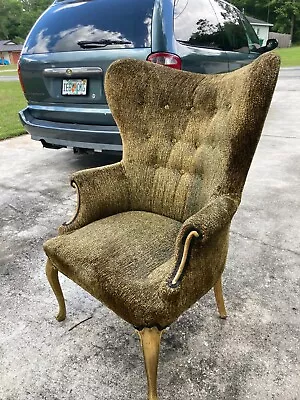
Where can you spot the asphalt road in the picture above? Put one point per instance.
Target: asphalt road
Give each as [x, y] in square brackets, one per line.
[254, 354]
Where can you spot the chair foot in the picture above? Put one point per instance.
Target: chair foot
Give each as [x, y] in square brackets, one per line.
[150, 341]
[219, 298]
[52, 275]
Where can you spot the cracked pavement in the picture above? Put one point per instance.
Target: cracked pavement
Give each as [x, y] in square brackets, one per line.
[254, 354]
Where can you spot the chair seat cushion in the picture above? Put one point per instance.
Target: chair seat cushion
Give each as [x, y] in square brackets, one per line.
[113, 259]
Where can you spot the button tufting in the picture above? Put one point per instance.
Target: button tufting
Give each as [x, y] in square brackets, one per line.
[167, 106]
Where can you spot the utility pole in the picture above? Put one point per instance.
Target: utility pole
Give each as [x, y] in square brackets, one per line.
[292, 23]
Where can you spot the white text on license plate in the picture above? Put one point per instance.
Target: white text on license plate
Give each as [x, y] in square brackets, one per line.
[74, 87]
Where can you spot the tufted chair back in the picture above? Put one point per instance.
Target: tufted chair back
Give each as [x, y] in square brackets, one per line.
[182, 148]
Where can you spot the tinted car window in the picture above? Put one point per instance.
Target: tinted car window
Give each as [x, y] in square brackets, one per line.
[235, 38]
[195, 23]
[253, 40]
[210, 23]
[68, 22]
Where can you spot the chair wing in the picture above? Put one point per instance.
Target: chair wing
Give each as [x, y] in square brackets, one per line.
[184, 147]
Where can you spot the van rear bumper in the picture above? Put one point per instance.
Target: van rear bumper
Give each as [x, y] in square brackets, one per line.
[60, 134]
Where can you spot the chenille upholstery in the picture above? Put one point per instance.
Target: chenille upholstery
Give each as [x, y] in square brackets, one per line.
[188, 141]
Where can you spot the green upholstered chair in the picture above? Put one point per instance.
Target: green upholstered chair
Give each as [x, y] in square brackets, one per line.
[150, 234]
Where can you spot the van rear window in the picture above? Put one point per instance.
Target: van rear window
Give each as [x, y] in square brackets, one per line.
[72, 25]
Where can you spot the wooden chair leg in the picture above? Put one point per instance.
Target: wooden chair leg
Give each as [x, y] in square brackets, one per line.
[52, 275]
[150, 341]
[219, 298]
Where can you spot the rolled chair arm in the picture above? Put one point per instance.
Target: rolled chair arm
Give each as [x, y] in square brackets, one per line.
[201, 226]
[101, 192]
[183, 260]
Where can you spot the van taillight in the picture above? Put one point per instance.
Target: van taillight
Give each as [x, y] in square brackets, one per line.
[20, 77]
[167, 59]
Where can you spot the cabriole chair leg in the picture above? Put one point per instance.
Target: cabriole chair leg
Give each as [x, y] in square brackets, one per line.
[219, 298]
[52, 275]
[150, 341]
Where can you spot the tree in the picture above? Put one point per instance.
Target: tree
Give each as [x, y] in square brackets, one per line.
[255, 8]
[10, 11]
[32, 9]
[18, 16]
[287, 11]
[284, 14]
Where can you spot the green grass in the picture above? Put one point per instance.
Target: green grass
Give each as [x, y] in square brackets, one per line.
[8, 70]
[289, 57]
[12, 100]
[8, 67]
[8, 73]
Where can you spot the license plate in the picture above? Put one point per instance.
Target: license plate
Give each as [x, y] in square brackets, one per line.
[74, 87]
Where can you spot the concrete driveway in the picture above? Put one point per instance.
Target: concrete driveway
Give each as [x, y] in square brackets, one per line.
[254, 354]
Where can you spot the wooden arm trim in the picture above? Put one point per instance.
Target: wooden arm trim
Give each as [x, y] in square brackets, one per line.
[66, 224]
[186, 248]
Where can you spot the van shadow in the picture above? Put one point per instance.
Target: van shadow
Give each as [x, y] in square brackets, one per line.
[92, 160]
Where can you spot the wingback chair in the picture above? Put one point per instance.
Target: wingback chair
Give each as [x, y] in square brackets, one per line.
[150, 234]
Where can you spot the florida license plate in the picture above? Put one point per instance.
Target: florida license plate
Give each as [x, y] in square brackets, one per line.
[74, 87]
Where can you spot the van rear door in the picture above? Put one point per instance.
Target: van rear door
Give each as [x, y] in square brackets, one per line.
[69, 49]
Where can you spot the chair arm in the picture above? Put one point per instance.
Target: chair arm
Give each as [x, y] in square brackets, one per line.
[101, 192]
[201, 226]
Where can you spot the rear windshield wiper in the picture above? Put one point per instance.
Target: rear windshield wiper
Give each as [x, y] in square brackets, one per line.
[93, 44]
